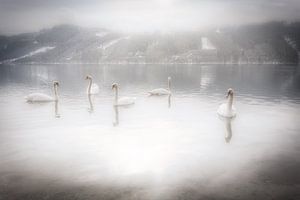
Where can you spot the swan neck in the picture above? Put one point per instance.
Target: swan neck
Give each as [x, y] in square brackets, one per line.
[91, 103]
[90, 86]
[116, 95]
[55, 93]
[169, 84]
[230, 102]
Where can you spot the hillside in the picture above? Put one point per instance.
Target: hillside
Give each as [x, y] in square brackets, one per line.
[275, 42]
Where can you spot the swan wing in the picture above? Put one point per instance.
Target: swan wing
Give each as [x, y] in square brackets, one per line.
[160, 91]
[38, 97]
[94, 88]
[225, 112]
[124, 101]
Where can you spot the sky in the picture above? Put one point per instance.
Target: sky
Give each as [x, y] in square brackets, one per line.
[19, 16]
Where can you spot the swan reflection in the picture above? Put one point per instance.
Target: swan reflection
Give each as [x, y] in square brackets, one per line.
[169, 101]
[91, 108]
[161, 96]
[228, 130]
[56, 114]
[116, 122]
[228, 134]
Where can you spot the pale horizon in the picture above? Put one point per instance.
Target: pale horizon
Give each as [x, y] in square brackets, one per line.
[141, 16]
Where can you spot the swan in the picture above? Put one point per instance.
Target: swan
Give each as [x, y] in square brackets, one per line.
[93, 88]
[227, 109]
[124, 101]
[40, 97]
[162, 91]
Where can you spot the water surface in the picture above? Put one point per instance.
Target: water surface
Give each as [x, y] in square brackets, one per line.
[160, 148]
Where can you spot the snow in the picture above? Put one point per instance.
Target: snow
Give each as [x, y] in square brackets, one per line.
[206, 44]
[101, 34]
[38, 51]
[290, 42]
[112, 42]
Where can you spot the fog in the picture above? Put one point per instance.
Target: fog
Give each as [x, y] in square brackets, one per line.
[18, 16]
[152, 150]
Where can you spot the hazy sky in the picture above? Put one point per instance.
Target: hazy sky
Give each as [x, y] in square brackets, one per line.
[18, 16]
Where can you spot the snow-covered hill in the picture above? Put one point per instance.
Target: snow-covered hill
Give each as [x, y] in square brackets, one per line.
[264, 43]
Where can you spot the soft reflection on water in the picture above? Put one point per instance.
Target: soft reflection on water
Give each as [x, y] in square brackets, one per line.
[160, 143]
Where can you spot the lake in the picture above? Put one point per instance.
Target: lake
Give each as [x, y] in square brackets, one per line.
[169, 147]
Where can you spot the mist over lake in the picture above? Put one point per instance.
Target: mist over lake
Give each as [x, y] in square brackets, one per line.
[168, 147]
[149, 100]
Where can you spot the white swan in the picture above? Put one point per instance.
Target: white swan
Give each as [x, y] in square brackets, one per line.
[40, 97]
[227, 109]
[162, 91]
[93, 88]
[124, 101]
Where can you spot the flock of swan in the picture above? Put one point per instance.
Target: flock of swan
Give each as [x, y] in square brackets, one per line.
[225, 110]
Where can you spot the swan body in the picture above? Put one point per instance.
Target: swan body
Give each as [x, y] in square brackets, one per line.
[225, 112]
[162, 91]
[40, 97]
[124, 101]
[93, 88]
[227, 109]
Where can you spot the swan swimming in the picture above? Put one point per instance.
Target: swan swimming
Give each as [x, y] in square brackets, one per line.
[227, 109]
[162, 91]
[40, 97]
[124, 101]
[93, 88]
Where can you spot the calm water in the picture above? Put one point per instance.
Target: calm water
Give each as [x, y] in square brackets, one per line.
[161, 148]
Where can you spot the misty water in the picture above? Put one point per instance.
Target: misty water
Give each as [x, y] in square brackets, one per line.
[161, 147]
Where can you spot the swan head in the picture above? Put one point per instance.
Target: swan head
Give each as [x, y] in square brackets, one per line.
[55, 83]
[169, 78]
[88, 77]
[114, 86]
[229, 92]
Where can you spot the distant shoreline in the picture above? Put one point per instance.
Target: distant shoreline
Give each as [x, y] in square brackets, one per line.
[111, 63]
